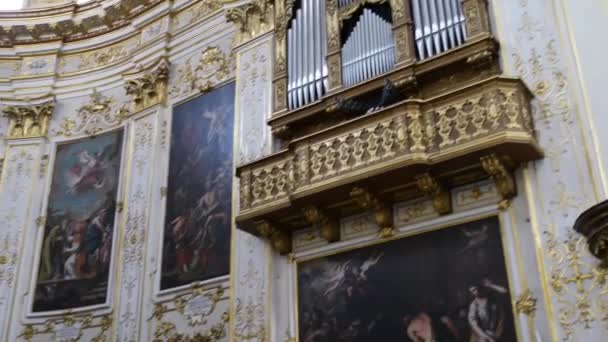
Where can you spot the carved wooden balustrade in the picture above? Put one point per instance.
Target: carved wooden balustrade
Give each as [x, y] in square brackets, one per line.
[414, 148]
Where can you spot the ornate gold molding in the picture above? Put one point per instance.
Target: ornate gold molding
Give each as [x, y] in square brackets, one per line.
[29, 121]
[75, 324]
[477, 21]
[148, 88]
[505, 184]
[213, 67]
[384, 150]
[329, 228]
[442, 201]
[383, 212]
[166, 331]
[281, 240]
[526, 303]
[90, 20]
[91, 118]
[252, 19]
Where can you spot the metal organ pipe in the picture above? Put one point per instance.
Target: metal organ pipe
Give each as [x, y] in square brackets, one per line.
[306, 54]
[369, 50]
[439, 25]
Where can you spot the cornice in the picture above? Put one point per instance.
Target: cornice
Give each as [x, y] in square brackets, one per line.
[70, 23]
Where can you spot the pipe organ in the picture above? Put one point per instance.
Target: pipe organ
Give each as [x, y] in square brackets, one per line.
[306, 51]
[368, 40]
[438, 26]
[369, 50]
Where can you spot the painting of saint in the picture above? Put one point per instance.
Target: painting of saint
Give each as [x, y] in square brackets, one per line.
[196, 243]
[78, 235]
[440, 286]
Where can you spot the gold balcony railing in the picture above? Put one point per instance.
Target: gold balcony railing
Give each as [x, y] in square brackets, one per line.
[413, 148]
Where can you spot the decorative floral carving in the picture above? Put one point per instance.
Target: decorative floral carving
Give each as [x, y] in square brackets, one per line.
[212, 68]
[166, 331]
[200, 10]
[526, 303]
[69, 328]
[249, 323]
[584, 302]
[99, 113]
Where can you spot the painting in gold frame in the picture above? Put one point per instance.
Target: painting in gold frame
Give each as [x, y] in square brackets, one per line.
[449, 284]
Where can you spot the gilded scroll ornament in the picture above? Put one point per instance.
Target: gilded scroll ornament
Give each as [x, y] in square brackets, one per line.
[526, 303]
[149, 88]
[213, 67]
[29, 121]
[579, 285]
[166, 331]
[430, 186]
[69, 328]
[98, 113]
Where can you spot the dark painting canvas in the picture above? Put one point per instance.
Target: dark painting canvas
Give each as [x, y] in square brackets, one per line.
[78, 234]
[197, 221]
[444, 285]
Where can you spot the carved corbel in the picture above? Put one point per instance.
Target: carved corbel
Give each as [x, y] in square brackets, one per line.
[29, 121]
[280, 240]
[252, 19]
[476, 18]
[505, 184]
[383, 213]
[329, 227]
[150, 88]
[442, 201]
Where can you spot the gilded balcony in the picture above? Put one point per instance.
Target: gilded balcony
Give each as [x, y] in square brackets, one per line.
[416, 147]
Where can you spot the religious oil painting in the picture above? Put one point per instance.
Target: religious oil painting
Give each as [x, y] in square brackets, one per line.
[196, 243]
[80, 223]
[443, 285]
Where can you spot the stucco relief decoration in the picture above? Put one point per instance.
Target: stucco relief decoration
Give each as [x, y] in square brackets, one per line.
[198, 11]
[577, 286]
[154, 30]
[70, 328]
[214, 66]
[18, 181]
[580, 285]
[135, 231]
[20, 168]
[99, 57]
[38, 65]
[253, 82]
[99, 113]
[29, 121]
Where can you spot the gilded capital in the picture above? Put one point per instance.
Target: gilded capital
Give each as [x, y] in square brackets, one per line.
[252, 19]
[29, 120]
[148, 87]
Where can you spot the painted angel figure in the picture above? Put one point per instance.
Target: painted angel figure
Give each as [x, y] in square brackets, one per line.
[89, 172]
[349, 277]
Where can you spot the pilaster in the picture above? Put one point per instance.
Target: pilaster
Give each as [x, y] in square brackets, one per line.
[22, 169]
